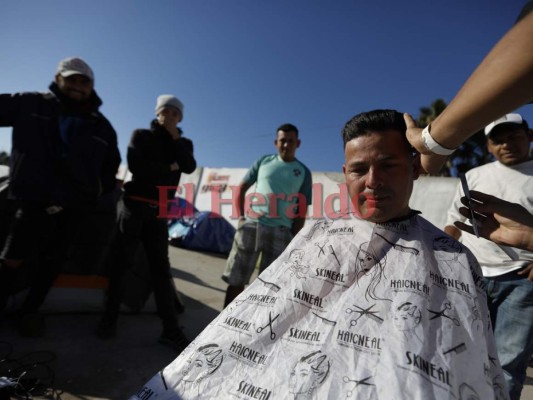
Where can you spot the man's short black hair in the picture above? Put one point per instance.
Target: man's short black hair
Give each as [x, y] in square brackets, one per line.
[373, 121]
[287, 128]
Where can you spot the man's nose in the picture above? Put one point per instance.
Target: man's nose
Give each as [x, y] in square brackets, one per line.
[373, 179]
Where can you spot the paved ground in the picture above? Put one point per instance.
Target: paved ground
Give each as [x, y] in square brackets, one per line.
[87, 368]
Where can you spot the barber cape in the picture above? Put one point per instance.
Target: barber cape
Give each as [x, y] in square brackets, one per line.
[351, 309]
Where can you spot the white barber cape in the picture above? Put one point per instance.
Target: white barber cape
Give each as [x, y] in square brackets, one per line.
[350, 310]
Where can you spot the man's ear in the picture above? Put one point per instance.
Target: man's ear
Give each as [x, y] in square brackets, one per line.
[57, 78]
[298, 143]
[487, 146]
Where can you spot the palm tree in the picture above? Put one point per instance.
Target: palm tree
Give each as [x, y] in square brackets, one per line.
[428, 114]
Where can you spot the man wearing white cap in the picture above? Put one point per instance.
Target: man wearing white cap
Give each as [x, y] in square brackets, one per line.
[64, 159]
[508, 271]
[156, 157]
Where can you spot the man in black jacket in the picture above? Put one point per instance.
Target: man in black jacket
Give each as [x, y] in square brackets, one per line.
[156, 158]
[64, 159]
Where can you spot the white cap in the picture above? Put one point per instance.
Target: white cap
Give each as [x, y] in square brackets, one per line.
[74, 66]
[506, 119]
[168, 100]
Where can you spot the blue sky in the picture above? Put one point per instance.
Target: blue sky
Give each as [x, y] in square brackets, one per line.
[244, 67]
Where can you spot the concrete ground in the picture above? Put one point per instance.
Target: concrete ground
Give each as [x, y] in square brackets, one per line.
[84, 367]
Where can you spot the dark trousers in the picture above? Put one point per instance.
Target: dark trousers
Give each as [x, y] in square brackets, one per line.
[35, 234]
[138, 225]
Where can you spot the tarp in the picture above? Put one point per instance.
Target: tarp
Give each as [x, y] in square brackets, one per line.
[204, 231]
[351, 309]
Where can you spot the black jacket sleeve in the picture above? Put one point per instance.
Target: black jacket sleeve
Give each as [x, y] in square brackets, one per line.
[10, 105]
[138, 161]
[184, 155]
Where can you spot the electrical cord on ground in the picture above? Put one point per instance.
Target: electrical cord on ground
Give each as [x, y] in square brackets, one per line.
[26, 376]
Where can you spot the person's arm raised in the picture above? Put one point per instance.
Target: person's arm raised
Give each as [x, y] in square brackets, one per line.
[500, 84]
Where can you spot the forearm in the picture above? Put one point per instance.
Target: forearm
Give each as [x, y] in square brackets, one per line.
[188, 165]
[522, 239]
[241, 198]
[184, 156]
[528, 245]
[142, 167]
[501, 83]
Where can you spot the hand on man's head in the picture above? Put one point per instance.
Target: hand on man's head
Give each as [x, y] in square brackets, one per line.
[430, 162]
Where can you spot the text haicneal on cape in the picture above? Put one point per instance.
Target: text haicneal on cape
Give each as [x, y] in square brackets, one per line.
[350, 310]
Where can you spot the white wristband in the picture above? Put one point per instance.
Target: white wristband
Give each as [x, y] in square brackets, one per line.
[433, 146]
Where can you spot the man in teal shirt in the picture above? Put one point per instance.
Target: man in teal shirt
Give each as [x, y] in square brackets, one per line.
[275, 211]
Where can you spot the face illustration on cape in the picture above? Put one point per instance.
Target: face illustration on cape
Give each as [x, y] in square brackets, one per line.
[368, 264]
[296, 256]
[302, 379]
[308, 373]
[196, 367]
[407, 317]
[205, 361]
[365, 260]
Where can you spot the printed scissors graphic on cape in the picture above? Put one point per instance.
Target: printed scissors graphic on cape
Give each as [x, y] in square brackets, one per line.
[363, 311]
[270, 320]
[357, 383]
[442, 313]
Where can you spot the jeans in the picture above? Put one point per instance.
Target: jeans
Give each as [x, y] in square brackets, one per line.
[139, 225]
[510, 300]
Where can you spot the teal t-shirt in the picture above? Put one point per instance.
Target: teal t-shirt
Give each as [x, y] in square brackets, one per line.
[280, 188]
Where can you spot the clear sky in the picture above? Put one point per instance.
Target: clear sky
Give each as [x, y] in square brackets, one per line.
[244, 67]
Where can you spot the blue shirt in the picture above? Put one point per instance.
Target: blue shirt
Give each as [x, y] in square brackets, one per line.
[281, 187]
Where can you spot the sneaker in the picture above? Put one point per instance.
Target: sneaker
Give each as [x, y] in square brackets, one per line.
[31, 325]
[174, 339]
[107, 327]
